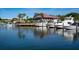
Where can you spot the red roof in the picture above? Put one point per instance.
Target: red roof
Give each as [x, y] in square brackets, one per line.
[46, 16]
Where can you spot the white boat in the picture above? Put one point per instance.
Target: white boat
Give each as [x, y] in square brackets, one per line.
[41, 24]
[59, 25]
[73, 27]
[62, 25]
[9, 25]
[51, 25]
[66, 23]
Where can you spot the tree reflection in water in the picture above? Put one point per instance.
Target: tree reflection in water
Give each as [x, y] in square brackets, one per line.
[21, 33]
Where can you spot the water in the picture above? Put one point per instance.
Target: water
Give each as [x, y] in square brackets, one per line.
[37, 38]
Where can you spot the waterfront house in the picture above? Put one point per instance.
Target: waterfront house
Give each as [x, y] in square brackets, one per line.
[45, 17]
[42, 19]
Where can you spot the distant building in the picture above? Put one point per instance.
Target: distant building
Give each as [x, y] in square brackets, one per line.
[42, 17]
[16, 20]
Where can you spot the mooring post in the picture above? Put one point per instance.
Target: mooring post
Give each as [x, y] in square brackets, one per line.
[54, 25]
[63, 28]
[76, 27]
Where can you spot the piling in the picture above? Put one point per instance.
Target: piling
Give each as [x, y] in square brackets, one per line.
[76, 27]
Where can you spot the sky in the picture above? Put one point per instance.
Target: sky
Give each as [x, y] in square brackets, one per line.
[13, 12]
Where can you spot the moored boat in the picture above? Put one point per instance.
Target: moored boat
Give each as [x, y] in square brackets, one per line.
[51, 25]
[9, 25]
[41, 24]
[74, 26]
[66, 23]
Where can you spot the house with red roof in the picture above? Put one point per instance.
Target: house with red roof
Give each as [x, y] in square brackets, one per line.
[42, 17]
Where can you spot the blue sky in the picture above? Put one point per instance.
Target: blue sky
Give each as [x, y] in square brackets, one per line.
[13, 12]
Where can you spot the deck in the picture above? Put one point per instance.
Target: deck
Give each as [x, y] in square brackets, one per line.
[25, 24]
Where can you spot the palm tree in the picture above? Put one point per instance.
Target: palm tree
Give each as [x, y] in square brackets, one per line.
[21, 16]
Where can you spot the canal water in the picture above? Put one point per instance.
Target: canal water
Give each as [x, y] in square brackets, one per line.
[37, 38]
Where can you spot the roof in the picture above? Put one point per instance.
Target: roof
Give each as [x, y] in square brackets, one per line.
[46, 16]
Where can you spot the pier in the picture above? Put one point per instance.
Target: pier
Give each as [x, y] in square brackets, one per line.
[25, 24]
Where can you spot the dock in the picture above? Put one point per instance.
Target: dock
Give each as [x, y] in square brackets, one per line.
[25, 24]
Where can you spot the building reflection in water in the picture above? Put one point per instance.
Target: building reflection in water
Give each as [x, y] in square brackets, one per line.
[42, 32]
[37, 31]
[52, 31]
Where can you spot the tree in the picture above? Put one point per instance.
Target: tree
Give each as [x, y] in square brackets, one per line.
[73, 14]
[36, 14]
[0, 18]
[61, 17]
[30, 19]
[21, 16]
[27, 17]
[14, 19]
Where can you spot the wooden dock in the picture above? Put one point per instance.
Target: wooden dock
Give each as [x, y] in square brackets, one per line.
[25, 24]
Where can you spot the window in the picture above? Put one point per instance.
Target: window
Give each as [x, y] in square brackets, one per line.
[69, 22]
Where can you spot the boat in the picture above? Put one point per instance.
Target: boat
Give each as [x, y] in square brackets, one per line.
[66, 23]
[51, 24]
[59, 25]
[74, 26]
[9, 25]
[62, 25]
[41, 24]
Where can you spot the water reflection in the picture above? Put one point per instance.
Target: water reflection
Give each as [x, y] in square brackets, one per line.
[71, 35]
[7, 26]
[25, 32]
[41, 31]
[38, 37]
[21, 33]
